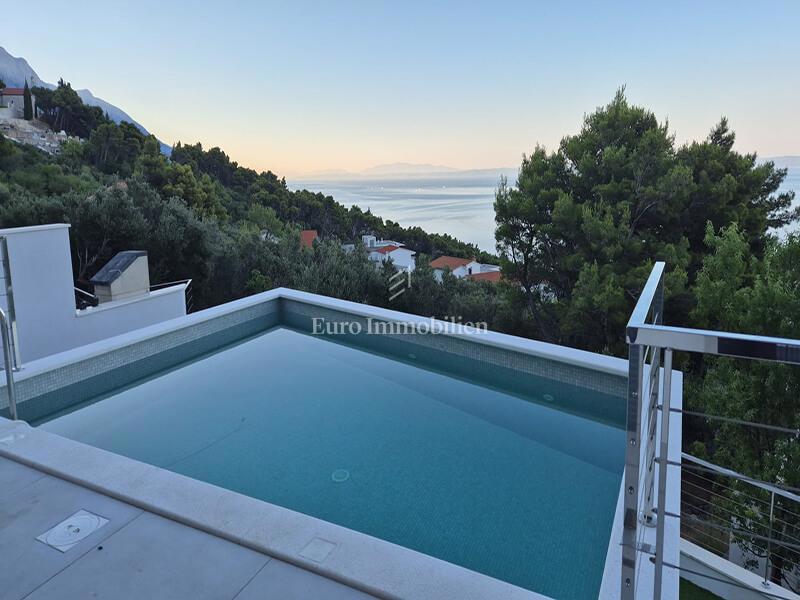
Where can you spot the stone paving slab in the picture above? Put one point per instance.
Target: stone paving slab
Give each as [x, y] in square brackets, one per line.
[153, 557]
[135, 555]
[34, 509]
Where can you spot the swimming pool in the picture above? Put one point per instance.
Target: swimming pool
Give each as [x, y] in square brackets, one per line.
[469, 454]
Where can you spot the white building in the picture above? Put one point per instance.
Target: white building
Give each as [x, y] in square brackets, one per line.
[12, 103]
[38, 294]
[370, 241]
[464, 267]
[402, 258]
[380, 251]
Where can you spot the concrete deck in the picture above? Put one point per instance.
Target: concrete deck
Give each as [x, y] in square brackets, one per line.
[137, 554]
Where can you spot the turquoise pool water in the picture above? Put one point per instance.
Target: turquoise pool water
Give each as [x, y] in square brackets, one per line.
[499, 482]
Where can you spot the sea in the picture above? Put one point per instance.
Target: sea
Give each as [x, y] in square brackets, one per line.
[458, 204]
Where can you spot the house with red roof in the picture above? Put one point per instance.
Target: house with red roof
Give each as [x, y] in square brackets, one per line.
[12, 103]
[402, 258]
[307, 237]
[380, 251]
[464, 267]
[493, 276]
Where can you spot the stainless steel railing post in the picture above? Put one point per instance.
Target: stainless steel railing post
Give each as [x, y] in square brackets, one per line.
[631, 476]
[9, 365]
[652, 410]
[663, 463]
[769, 539]
[9, 293]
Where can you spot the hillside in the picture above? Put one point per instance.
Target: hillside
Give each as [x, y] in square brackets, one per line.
[15, 71]
[199, 214]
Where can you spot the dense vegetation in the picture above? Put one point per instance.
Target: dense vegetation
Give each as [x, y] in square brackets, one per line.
[577, 235]
[583, 226]
[198, 214]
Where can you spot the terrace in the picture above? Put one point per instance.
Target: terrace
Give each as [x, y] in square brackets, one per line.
[388, 456]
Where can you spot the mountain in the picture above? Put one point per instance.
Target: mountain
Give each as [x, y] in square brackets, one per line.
[402, 168]
[325, 174]
[405, 172]
[15, 71]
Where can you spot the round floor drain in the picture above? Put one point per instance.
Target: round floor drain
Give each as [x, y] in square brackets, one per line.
[340, 475]
[547, 398]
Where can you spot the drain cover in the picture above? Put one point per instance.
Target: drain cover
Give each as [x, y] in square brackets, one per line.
[548, 398]
[72, 530]
[340, 475]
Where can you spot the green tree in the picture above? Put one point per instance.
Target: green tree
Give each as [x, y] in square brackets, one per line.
[178, 180]
[63, 109]
[181, 245]
[114, 149]
[152, 165]
[582, 227]
[264, 219]
[529, 218]
[739, 292]
[27, 103]
[728, 187]
[104, 223]
[324, 269]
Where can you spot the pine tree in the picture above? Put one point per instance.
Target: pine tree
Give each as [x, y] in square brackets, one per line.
[27, 102]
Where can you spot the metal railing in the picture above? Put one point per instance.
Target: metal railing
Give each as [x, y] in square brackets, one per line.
[651, 344]
[641, 417]
[9, 295]
[9, 362]
[8, 331]
[722, 510]
[84, 299]
[188, 293]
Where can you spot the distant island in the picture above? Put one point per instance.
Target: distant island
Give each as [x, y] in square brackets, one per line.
[402, 170]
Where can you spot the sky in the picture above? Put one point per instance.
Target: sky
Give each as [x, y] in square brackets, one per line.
[302, 87]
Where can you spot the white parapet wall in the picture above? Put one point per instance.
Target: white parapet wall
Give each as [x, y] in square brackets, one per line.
[41, 283]
[724, 578]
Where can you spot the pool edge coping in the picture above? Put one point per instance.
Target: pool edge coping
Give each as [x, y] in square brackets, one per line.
[564, 354]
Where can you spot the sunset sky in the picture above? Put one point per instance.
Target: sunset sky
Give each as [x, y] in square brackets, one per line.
[300, 87]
